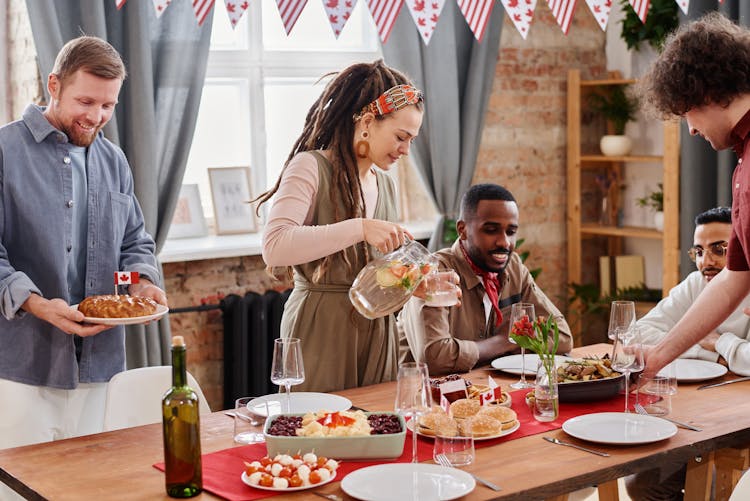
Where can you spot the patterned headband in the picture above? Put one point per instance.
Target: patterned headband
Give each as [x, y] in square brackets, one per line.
[392, 100]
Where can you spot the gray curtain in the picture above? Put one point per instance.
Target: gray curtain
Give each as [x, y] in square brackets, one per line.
[155, 118]
[456, 74]
[705, 174]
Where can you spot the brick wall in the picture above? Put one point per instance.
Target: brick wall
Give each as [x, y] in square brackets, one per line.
[524, 140]
[523, 148]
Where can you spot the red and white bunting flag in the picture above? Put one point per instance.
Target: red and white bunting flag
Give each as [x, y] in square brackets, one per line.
[641, 8]
[563, 12]
[201, 9]
[235, 10]
[521, 12]
[384, 13]
[289, 10]
[684, 4]
[119, 4]
[600, 9]
[338, 12]
[425, 14]
[160, 6]
[477, 14]
[126, 277]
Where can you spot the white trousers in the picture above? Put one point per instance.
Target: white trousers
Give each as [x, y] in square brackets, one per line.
[34, 414]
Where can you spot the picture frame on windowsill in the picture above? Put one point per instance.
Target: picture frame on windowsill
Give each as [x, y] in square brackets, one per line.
[188, 220]
[231, 192]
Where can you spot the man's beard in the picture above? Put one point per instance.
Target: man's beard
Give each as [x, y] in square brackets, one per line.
[83, 140]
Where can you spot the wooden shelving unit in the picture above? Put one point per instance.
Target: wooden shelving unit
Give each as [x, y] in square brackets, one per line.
[593, 160]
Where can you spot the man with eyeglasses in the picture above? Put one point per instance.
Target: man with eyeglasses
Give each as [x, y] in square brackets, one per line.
[728, 344]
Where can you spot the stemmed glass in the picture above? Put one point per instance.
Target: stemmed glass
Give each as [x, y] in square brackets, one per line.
[287, 368]
[627, 355]
[621, 317]
[518, 312]
[413, 396]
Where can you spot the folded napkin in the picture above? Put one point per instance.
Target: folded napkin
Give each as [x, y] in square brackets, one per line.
[222, 469]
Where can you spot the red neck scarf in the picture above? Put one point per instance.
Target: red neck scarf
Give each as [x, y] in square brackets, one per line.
[491, 284]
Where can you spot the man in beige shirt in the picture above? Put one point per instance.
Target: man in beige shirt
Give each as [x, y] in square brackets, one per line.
[492, 278]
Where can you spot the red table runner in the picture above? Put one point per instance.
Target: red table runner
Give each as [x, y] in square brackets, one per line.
[222, 469]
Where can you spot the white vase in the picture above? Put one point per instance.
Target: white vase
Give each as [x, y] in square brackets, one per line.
[615, 145]
[659, 220]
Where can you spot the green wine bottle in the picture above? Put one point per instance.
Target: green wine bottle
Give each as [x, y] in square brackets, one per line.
[181, 424]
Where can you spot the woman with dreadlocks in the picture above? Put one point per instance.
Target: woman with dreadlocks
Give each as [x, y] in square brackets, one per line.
[331, 215]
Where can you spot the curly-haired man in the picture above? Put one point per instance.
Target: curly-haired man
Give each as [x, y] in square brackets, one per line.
[703, 74]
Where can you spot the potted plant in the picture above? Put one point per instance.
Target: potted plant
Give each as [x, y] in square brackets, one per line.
[654, 201]
[662, 18]
[618, 108]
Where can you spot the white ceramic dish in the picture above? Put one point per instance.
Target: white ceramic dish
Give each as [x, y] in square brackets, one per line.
[619, 428]
[512, 363]
[301, 401]
[246, 480]
[387, 446]
[407, 482]
[691, 370]
[161, 310]
[476, 439]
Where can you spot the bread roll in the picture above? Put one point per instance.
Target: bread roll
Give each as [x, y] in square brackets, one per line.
[120, 306]
[464, 408]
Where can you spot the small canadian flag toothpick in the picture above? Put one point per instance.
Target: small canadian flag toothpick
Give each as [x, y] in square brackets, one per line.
[126, 277]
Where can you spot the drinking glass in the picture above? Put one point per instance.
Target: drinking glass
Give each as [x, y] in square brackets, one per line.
[287, 368]
[627, 356]
[440, 289]
[413, 396]
[458, 448]
[517, 313]
[250, 414]
[656, 393]
[621, 317]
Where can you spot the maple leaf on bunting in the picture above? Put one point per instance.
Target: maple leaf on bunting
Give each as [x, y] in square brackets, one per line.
[333, 19]
[332, 4]
[419, 5]
[421, 21]
[512, 3]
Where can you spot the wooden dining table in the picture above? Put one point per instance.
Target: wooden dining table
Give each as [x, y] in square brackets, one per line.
[118, 464]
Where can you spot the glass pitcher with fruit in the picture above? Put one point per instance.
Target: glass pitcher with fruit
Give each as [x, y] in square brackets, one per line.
[385, 284]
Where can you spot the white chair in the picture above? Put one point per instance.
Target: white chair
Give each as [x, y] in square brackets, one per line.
[741, 491]
[134, 396]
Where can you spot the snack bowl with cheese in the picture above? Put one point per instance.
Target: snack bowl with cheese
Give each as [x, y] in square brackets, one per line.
[343, 435]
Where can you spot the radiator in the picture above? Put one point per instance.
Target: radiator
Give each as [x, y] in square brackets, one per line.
[251, 323]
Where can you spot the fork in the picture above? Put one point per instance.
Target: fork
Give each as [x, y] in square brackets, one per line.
[641, 410]
[331, 497]
[443, 460]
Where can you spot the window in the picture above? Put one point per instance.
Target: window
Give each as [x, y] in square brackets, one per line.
[261, 82]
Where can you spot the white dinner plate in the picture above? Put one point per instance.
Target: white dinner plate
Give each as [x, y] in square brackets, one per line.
[512, 363]
[691, 370]
[302, 402]
[406, 482]
[619, 428]
[410, 426]
[161, 310]
[246, 479]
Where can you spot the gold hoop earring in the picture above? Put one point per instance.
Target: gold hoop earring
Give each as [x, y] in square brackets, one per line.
[362, 148]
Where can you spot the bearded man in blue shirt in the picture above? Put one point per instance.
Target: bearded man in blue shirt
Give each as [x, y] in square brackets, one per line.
[68, 220]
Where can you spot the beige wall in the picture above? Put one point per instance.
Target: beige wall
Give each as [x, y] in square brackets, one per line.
[523, 148]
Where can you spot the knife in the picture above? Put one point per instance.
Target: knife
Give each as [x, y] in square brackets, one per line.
[575, 446]
[730, 381]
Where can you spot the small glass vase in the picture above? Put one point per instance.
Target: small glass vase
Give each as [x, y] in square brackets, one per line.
[605, 216]
[546, 398]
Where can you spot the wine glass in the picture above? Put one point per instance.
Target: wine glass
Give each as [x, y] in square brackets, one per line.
[518, 313]
[287, 368]
[627, 355]
[413, 396]
[621, 317]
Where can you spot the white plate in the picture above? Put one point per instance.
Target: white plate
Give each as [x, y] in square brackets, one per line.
[619, 428]
[245, 479]
[510, 430]
[512, 363]
[407, 481]
[161, 310]
[691, 370]
[302, 402]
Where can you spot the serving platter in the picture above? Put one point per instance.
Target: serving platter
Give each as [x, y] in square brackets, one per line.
[161, 310]
[246, 479]
[512, 429]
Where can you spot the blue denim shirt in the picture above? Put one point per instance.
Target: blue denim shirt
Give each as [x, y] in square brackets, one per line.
[36, 232]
